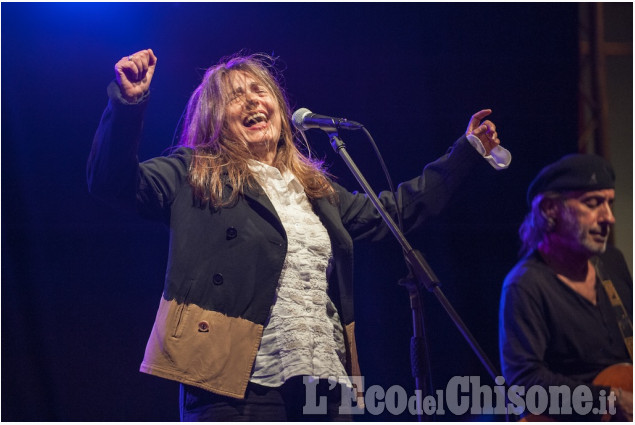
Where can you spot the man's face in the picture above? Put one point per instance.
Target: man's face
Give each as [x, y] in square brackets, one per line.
[591, 217]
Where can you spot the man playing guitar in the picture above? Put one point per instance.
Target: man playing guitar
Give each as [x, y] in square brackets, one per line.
[566, 307]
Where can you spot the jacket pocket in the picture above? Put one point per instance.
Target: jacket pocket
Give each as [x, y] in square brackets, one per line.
[182, 311]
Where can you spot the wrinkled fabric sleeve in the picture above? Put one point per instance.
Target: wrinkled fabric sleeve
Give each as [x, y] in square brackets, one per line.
[114, 173]
[420, 198]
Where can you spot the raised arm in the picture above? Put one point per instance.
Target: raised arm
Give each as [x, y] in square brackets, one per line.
[113, 170]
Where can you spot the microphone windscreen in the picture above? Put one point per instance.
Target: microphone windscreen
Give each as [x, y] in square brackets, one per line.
[298, 117]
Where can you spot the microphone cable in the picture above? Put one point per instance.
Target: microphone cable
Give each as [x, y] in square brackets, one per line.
[388, 178]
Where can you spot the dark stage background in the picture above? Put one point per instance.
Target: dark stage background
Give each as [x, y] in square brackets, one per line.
[81, 281]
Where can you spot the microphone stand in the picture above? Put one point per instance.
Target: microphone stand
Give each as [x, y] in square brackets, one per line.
[421, 276]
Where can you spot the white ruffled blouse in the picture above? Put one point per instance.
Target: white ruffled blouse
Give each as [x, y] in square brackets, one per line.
[303, 335]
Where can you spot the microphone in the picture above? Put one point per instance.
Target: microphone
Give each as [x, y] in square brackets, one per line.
[303, 119]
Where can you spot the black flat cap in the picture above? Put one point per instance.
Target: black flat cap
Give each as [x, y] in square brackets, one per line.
[573, 172]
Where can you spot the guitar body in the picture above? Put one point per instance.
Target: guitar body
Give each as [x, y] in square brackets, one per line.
[618, 376]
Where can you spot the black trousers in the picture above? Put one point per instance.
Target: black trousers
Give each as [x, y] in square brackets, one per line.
[275, 404]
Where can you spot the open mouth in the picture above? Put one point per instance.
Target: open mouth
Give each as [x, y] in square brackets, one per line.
[254, 119]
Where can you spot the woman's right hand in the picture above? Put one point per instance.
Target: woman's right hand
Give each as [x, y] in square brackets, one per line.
[134, 73]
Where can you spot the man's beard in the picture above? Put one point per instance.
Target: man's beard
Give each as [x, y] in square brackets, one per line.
[583, 236]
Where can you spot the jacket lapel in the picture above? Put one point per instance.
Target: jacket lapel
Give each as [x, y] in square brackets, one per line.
[330, 218]
[259, 202]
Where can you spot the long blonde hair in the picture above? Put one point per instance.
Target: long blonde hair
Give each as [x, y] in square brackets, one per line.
[219, 157]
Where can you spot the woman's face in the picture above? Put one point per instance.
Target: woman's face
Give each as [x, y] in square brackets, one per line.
[253, 115]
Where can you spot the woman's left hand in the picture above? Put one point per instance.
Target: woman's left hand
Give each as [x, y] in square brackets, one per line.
[485, 131]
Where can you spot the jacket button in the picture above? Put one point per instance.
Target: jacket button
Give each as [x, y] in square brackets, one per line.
[203, 326]
[217, 279]
[231, 233]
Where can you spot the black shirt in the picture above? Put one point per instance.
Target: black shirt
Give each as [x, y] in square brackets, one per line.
[550, 335]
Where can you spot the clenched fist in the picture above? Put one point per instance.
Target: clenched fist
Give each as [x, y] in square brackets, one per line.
[134, 73]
